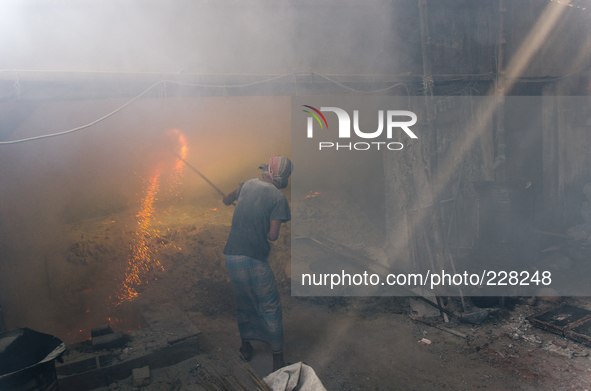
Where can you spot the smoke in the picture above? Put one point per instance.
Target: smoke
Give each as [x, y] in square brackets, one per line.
[53, 185]
[207, 37]
[49, 183]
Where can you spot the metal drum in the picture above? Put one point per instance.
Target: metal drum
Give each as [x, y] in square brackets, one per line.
[27, 360]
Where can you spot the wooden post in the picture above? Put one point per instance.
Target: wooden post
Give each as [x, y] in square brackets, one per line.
[550, 154]
[433, 158]
[499, 166]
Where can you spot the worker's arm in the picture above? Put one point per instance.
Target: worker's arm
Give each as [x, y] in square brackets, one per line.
[228, 199]
[274, 230]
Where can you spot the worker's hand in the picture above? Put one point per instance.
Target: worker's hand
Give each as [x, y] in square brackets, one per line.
[230, 198]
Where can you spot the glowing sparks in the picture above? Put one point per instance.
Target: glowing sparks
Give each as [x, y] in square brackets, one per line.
[313, 194]
[116, 322]
[141, 260]
[142, 256]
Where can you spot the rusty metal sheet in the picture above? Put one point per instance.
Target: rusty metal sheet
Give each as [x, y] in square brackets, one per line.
[560, 319]
[581, 333]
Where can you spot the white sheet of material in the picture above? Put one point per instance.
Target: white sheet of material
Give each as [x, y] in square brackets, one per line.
[295, 377]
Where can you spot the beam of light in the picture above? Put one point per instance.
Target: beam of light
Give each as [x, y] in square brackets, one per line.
[477, 126]
[521, 59]
[533, 42]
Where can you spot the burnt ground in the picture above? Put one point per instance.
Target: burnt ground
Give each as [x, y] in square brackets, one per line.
[352, 343]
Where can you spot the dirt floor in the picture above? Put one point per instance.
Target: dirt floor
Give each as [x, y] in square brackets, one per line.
[371, 344]
[352, 343]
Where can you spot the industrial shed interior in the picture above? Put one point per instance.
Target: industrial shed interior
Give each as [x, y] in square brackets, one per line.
[122, 123]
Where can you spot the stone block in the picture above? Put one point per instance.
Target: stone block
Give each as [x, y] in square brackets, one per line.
[101, 330]
[141, 376]
[109, 341]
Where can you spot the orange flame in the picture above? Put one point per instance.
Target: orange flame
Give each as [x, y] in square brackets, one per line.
[178, 170]
[183, 150]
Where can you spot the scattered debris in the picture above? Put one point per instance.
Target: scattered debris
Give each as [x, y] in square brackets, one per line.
[447, 330]
[476, 317]
[554, 349]
[520, 328]
[425, 342]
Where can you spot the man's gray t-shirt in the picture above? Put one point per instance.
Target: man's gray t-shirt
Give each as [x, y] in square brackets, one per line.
[259, 203]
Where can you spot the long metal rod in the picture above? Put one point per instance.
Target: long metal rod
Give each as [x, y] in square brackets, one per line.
[202, 176]
[452, 219]
[428, 86]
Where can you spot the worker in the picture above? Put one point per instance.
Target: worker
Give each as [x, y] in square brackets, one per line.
[260, 209]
